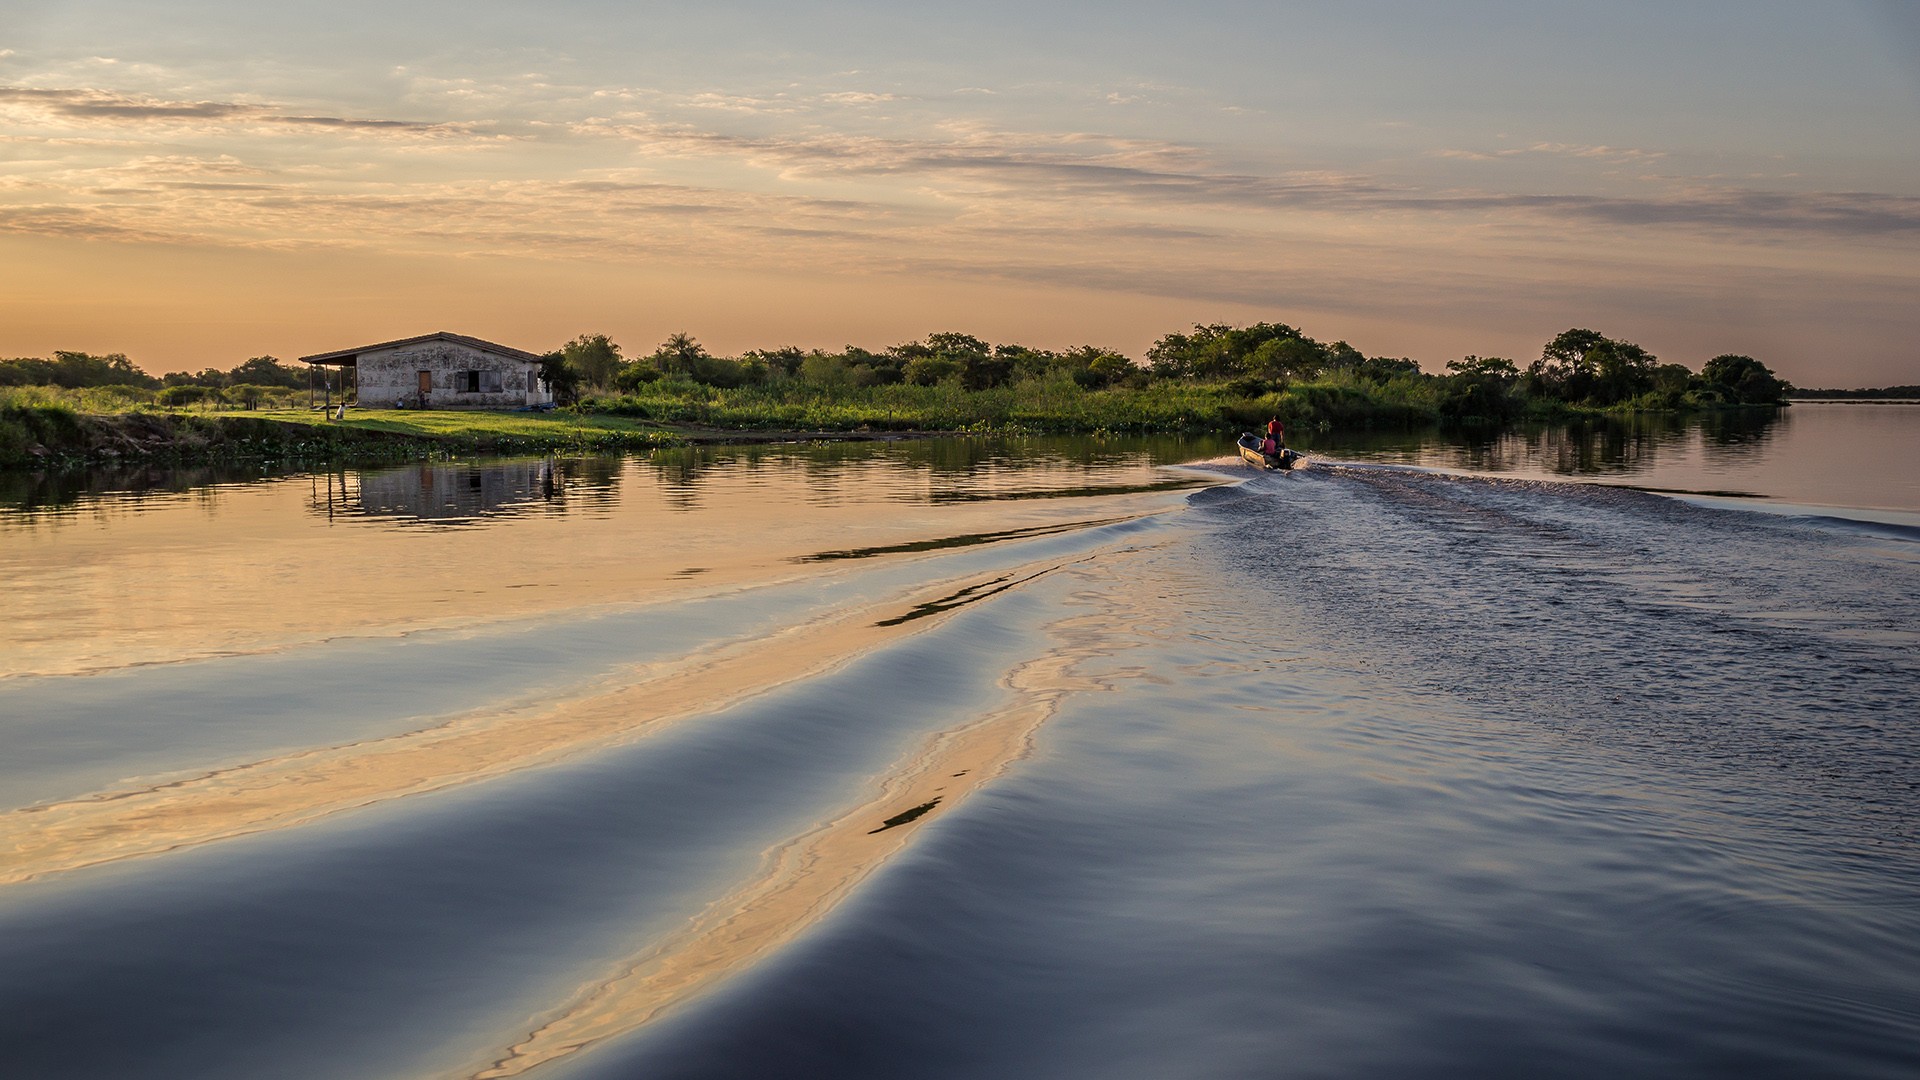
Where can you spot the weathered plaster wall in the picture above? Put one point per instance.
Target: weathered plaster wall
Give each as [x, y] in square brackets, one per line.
[390, 376]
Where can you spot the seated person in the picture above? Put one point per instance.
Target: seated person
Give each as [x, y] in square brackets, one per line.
[1268, 446]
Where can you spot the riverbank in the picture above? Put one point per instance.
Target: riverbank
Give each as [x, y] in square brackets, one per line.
[41, 427]
[52, 436]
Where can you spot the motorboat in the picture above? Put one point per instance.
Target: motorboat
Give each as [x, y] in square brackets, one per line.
[1251, 453]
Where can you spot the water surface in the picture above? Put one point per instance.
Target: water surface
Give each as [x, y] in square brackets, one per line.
[1031, 758]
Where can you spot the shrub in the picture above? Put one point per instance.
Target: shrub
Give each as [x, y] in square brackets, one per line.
[175, 397]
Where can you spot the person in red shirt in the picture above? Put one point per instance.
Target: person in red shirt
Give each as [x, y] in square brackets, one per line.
[1277, 432]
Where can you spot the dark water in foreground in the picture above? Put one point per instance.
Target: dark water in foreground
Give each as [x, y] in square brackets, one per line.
[1354, 771]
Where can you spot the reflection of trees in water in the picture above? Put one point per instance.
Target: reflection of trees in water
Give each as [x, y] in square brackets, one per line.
[1634, 443]
[679, 472]
[585, 481]
[920, 470]
[467, 494]
[1736, 433]
[1597, 446]
[33, 493]
[1612, 444]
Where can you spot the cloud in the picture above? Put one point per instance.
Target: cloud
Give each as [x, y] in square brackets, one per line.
[1603, 153]
[981, 165]
[186, 165]
[106, 106]
[857, 97]
[78, 223]
[1840, 214]
[776, 105]
[1614, 154]
[210, 185]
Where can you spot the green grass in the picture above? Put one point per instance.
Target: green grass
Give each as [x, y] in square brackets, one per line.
[45, 428]
[466, 424]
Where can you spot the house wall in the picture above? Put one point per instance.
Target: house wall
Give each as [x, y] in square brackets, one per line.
[391, 376]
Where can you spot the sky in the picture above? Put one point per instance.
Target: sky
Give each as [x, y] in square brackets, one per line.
[202, 181]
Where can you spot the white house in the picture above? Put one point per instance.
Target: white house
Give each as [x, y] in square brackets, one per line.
[440, 371]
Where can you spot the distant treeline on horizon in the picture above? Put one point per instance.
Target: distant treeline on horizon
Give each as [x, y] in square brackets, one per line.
[1904, 392]
[1578, 367]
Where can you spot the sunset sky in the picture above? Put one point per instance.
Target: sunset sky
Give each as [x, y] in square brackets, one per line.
[197, 182]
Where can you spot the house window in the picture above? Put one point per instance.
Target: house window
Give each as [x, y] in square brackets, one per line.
[479, 382]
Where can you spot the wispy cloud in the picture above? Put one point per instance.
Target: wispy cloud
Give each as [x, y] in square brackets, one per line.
[858, 97]
[1616, 154]
[86, 105]
[1079, 167]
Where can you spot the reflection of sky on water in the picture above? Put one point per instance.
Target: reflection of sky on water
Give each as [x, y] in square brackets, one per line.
[1050, 767]
[1828, 454]
[172, 566]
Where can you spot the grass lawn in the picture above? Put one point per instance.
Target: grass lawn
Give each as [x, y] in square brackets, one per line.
[472, 424]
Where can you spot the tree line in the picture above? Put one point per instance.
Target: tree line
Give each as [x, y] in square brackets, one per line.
[1580, 368]
[246, 383]
[594, 363]
[1905, 393]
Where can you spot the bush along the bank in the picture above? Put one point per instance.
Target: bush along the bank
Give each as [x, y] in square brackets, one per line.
[1213, 377]
[55, 434]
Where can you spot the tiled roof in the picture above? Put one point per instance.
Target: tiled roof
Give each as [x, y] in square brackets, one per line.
[342, 356]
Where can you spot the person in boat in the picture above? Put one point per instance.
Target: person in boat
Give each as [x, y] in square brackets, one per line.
[1277, 435]
[1268, 446]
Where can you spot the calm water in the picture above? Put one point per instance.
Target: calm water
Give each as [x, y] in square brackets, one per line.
[1035, 758]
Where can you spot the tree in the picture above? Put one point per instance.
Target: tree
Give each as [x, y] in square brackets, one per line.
[1586, 366]
[562, 380]
[74, 370]
[185, 394]
[1342, 355]
[634, 376]
[595, 360]
[679, 355]
[1094, 368]
[827, 369]
[1743, 380]
[267, 371]
[1672, 380]
[1284, 357]
[1498, 368]
[1382, 368]
[1217, 351]
[211, 378]
[981, 367]
[248, 395]
[929, 370]
[1479, 389]
[786, 360]
[953, 344]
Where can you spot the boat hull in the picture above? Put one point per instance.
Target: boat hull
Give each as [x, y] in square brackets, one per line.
[1251, 453]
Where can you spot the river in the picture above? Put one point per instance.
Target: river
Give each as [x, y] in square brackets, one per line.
[1575, 752]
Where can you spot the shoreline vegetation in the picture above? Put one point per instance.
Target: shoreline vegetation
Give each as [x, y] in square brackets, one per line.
[77, 409]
